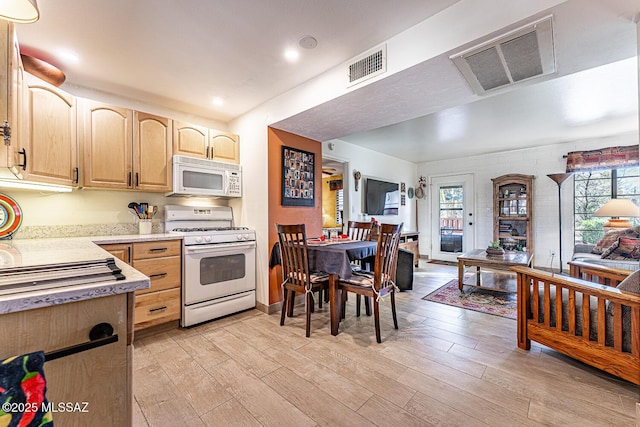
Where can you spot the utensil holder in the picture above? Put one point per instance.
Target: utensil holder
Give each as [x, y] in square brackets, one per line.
[144, 226]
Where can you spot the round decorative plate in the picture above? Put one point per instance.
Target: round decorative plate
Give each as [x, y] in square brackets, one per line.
[410, 192]
[10, 216]
[419, 192]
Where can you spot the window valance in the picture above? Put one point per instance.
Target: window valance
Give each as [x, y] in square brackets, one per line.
[604, 158]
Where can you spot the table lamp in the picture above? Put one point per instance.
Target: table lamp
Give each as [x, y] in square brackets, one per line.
[615, 208]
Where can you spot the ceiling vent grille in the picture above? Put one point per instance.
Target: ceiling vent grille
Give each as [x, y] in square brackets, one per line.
[367, 65]
[523, 54]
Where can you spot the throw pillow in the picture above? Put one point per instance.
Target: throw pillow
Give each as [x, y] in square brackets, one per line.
[610, 238]
[625, 248]
[631, 283]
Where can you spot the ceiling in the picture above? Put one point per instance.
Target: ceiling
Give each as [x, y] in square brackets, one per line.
[182, 54]
[178, 57]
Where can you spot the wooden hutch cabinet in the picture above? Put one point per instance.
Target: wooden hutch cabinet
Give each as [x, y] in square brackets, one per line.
[513, 211]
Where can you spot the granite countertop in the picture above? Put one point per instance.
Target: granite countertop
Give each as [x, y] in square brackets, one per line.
[37, 252]
[127, 238]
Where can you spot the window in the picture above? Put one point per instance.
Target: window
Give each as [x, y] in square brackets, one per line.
[593, 189]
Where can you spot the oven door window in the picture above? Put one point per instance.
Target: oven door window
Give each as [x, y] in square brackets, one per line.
[202, 180]
[222, 268]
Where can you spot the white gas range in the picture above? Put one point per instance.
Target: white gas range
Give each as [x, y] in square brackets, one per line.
[219, 262]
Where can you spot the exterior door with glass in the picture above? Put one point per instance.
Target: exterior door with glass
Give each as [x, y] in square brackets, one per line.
[452, 204]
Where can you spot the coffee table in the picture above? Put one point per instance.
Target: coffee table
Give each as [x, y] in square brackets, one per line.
[480, 259]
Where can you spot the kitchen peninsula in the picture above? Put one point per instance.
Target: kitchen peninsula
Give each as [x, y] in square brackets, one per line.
[52, 316]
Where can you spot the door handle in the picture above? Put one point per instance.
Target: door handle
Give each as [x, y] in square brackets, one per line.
[23, 152]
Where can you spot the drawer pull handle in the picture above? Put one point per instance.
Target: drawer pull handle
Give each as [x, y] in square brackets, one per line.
[158, 276]
[158, 249]
[101, 334]
[153, 310]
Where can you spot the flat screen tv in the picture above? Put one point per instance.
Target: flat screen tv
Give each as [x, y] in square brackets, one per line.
[381, 197]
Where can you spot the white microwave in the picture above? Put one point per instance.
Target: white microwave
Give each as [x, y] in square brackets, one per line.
[200, 177]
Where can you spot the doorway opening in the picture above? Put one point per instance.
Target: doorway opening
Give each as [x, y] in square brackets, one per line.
[335, 210]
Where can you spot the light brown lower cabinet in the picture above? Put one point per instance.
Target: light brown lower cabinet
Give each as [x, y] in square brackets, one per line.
[161, 261]
[99, 377]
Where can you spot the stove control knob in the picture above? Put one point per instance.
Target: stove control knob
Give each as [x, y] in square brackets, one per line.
[207, 238]
[239, 237]
[246, 237]
[198, 239]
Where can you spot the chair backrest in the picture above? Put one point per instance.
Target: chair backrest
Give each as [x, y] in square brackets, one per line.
[359, 230]
[386, 255]
[293, 249]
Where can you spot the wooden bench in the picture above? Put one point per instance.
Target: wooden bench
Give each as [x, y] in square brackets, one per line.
[570, 330]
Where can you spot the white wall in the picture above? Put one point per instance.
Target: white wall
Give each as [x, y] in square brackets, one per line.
[539, 162]
[372, 164]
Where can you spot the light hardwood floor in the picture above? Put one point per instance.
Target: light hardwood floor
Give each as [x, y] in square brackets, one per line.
[445, 366]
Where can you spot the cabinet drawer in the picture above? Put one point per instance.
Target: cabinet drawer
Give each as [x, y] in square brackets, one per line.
[157, 307]
[163, 272]
[157, 249]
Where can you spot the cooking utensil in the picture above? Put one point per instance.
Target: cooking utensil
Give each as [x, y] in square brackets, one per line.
[136, 208]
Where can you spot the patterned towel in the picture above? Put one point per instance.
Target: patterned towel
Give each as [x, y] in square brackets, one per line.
[22, 392]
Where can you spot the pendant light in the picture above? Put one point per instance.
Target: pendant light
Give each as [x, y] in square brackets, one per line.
[21, 11]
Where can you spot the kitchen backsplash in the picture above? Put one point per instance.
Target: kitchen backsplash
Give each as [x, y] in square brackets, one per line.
[52, 231]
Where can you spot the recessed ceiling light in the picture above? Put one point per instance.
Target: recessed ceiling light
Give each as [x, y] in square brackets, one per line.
[217, 101]
[291, 55]
[68, 56]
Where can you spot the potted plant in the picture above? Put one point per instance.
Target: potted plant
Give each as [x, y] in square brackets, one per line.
[494, 248]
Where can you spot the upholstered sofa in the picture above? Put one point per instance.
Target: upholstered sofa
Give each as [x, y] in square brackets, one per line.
[593, 317]
[617, 249]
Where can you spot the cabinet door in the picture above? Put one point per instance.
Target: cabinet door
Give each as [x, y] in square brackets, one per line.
[107, 145]
[11, 95]
[225, 147]
[50, 145]
[152, 150]
[122, 251]
[97, 376]
[190, 140]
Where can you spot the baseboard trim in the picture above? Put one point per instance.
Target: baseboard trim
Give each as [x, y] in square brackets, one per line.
[276, 307]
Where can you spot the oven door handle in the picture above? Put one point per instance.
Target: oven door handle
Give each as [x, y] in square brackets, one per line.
[225, 247]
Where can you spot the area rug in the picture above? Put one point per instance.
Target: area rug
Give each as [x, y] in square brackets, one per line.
[483, 300]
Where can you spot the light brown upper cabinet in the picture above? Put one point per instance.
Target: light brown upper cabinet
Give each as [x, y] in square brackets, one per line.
[224, 147]
[107, 145]
[125, 149]
[152, 152]
[190, 140]
[198, 141]
[47, 151]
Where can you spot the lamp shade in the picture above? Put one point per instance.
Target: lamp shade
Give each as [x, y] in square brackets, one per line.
[22, 11]
[617, 208]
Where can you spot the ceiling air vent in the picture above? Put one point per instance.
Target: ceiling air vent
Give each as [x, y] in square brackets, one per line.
[367, 65]
[520, 55]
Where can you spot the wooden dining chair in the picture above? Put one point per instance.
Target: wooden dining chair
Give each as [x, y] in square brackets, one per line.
[296, 274]
[382, 281]
[357, 230]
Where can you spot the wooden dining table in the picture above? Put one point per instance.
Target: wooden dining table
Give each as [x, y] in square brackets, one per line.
[333, 258]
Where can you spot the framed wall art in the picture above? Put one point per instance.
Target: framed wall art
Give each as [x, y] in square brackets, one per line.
[298, 174]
